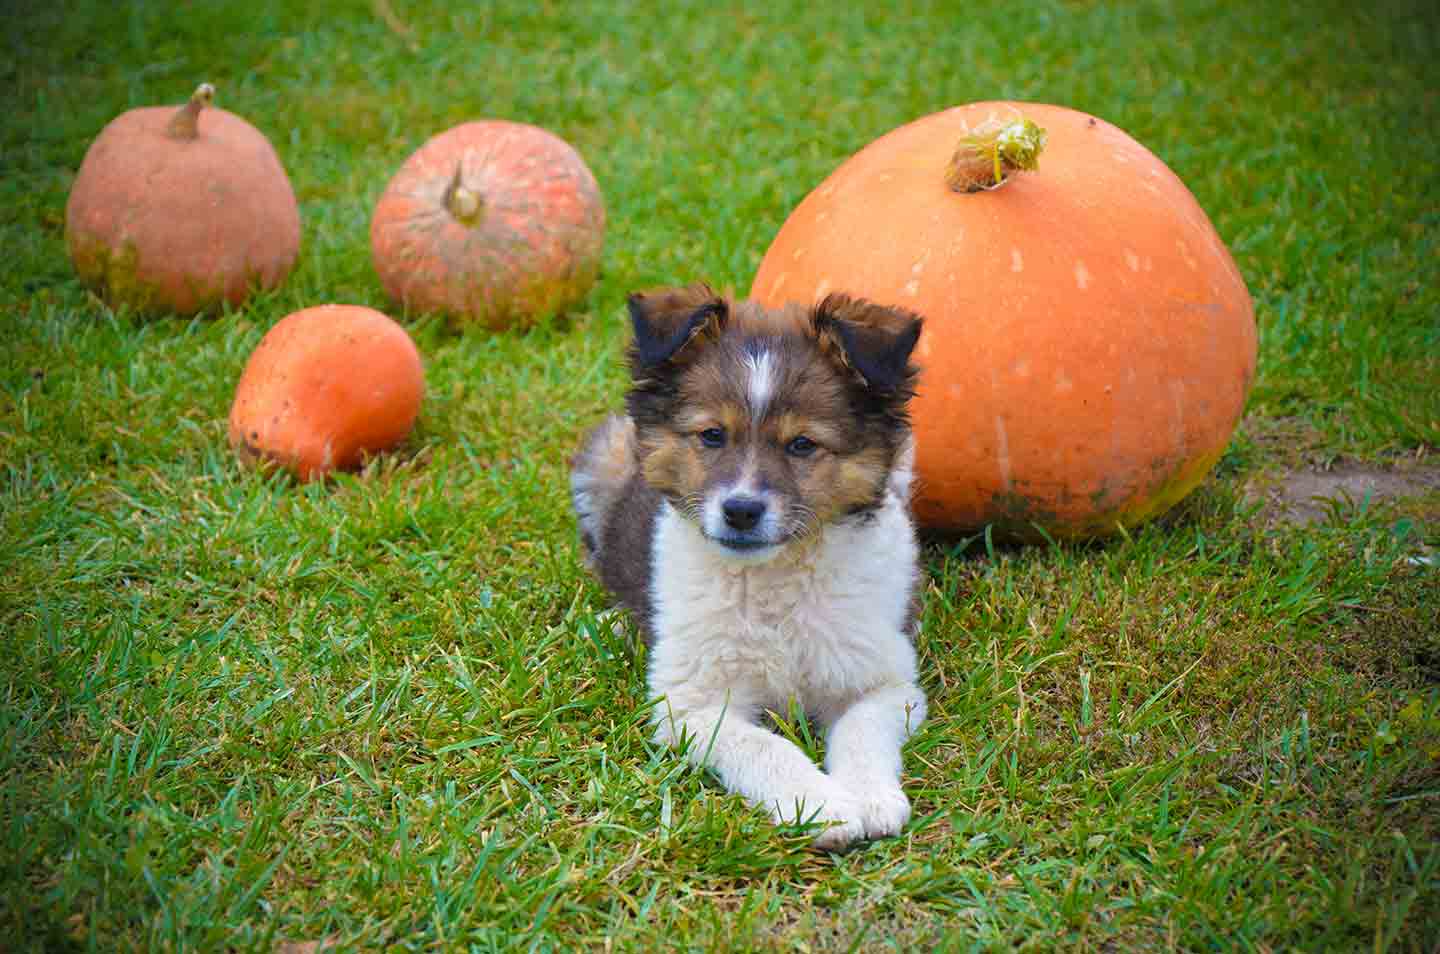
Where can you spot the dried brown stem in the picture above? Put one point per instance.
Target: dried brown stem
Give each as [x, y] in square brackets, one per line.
[185, 124]
[466, 205]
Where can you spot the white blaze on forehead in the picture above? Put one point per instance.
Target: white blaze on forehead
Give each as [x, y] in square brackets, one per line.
[761, 386]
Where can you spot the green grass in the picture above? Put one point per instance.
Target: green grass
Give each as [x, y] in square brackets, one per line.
[238, 713]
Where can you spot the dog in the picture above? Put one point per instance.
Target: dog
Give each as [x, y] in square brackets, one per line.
[751, 510]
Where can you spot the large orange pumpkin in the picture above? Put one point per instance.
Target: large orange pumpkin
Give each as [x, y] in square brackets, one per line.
[327, 387]
[494, 222]
[1089, 341]
[181, 210]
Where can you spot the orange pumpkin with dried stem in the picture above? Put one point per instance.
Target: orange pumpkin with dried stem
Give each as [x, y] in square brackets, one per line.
[181, 210]
[326, 388]
[492, 222]
[1089, 342]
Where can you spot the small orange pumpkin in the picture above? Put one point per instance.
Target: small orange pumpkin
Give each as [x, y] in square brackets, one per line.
[177, 211]
[327, 387]
[494, 222]
[1089, 341]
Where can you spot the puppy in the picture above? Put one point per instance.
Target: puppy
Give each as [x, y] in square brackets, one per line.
[751, 509]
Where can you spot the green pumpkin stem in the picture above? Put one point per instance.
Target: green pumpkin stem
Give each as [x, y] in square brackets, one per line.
[185, 124]
[464, 204]
[986, 158]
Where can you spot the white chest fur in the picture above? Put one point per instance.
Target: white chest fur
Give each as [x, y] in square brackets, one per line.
[821, 624]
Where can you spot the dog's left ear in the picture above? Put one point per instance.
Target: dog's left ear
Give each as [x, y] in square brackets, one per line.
[872, 340]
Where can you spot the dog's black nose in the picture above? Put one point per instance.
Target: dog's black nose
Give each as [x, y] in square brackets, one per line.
[743, 513]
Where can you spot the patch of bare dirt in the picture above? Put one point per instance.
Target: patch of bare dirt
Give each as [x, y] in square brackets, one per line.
[1302, 482]
[1308, 496]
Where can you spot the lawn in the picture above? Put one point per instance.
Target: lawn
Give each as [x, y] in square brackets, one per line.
[240, 713]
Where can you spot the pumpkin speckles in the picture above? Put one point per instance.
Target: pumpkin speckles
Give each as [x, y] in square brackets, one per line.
[494, 222]
[1088, 344]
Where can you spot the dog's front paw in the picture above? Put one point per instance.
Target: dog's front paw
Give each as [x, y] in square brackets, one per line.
[835, 814]
[842, 829]
[883, 809]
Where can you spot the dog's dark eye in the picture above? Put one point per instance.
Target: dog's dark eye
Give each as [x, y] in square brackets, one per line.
[713, 437]
[801, 446]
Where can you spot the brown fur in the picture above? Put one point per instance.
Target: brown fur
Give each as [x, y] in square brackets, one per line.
[840, 376]
[819, 392]
[616, 511]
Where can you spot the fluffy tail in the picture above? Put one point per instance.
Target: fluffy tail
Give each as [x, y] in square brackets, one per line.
[599, 473]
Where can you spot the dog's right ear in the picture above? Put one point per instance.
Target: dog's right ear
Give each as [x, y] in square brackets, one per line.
[668, 320]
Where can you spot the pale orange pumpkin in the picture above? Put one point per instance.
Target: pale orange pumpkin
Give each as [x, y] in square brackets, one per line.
[1089, 342]
[492, 222]
[326, 388]
[181, 210]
